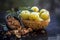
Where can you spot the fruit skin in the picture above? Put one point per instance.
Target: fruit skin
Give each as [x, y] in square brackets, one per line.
[25, 14]
[45, 16]
[41, 19]
[34, 16]
[42, 10]
[35, 9]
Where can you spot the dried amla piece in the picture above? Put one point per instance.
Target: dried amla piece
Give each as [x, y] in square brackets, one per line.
[17, 33]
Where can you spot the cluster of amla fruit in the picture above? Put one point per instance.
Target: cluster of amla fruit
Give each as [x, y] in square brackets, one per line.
[35, 15]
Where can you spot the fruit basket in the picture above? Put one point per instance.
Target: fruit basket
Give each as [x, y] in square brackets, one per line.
[36, 24]
[35, 19]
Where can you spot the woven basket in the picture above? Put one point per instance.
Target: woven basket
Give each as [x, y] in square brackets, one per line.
[36, 24]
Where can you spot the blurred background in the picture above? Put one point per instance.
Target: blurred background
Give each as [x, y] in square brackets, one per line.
[52, 5]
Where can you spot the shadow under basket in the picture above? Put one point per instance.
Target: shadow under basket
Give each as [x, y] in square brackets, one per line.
[36, 24]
